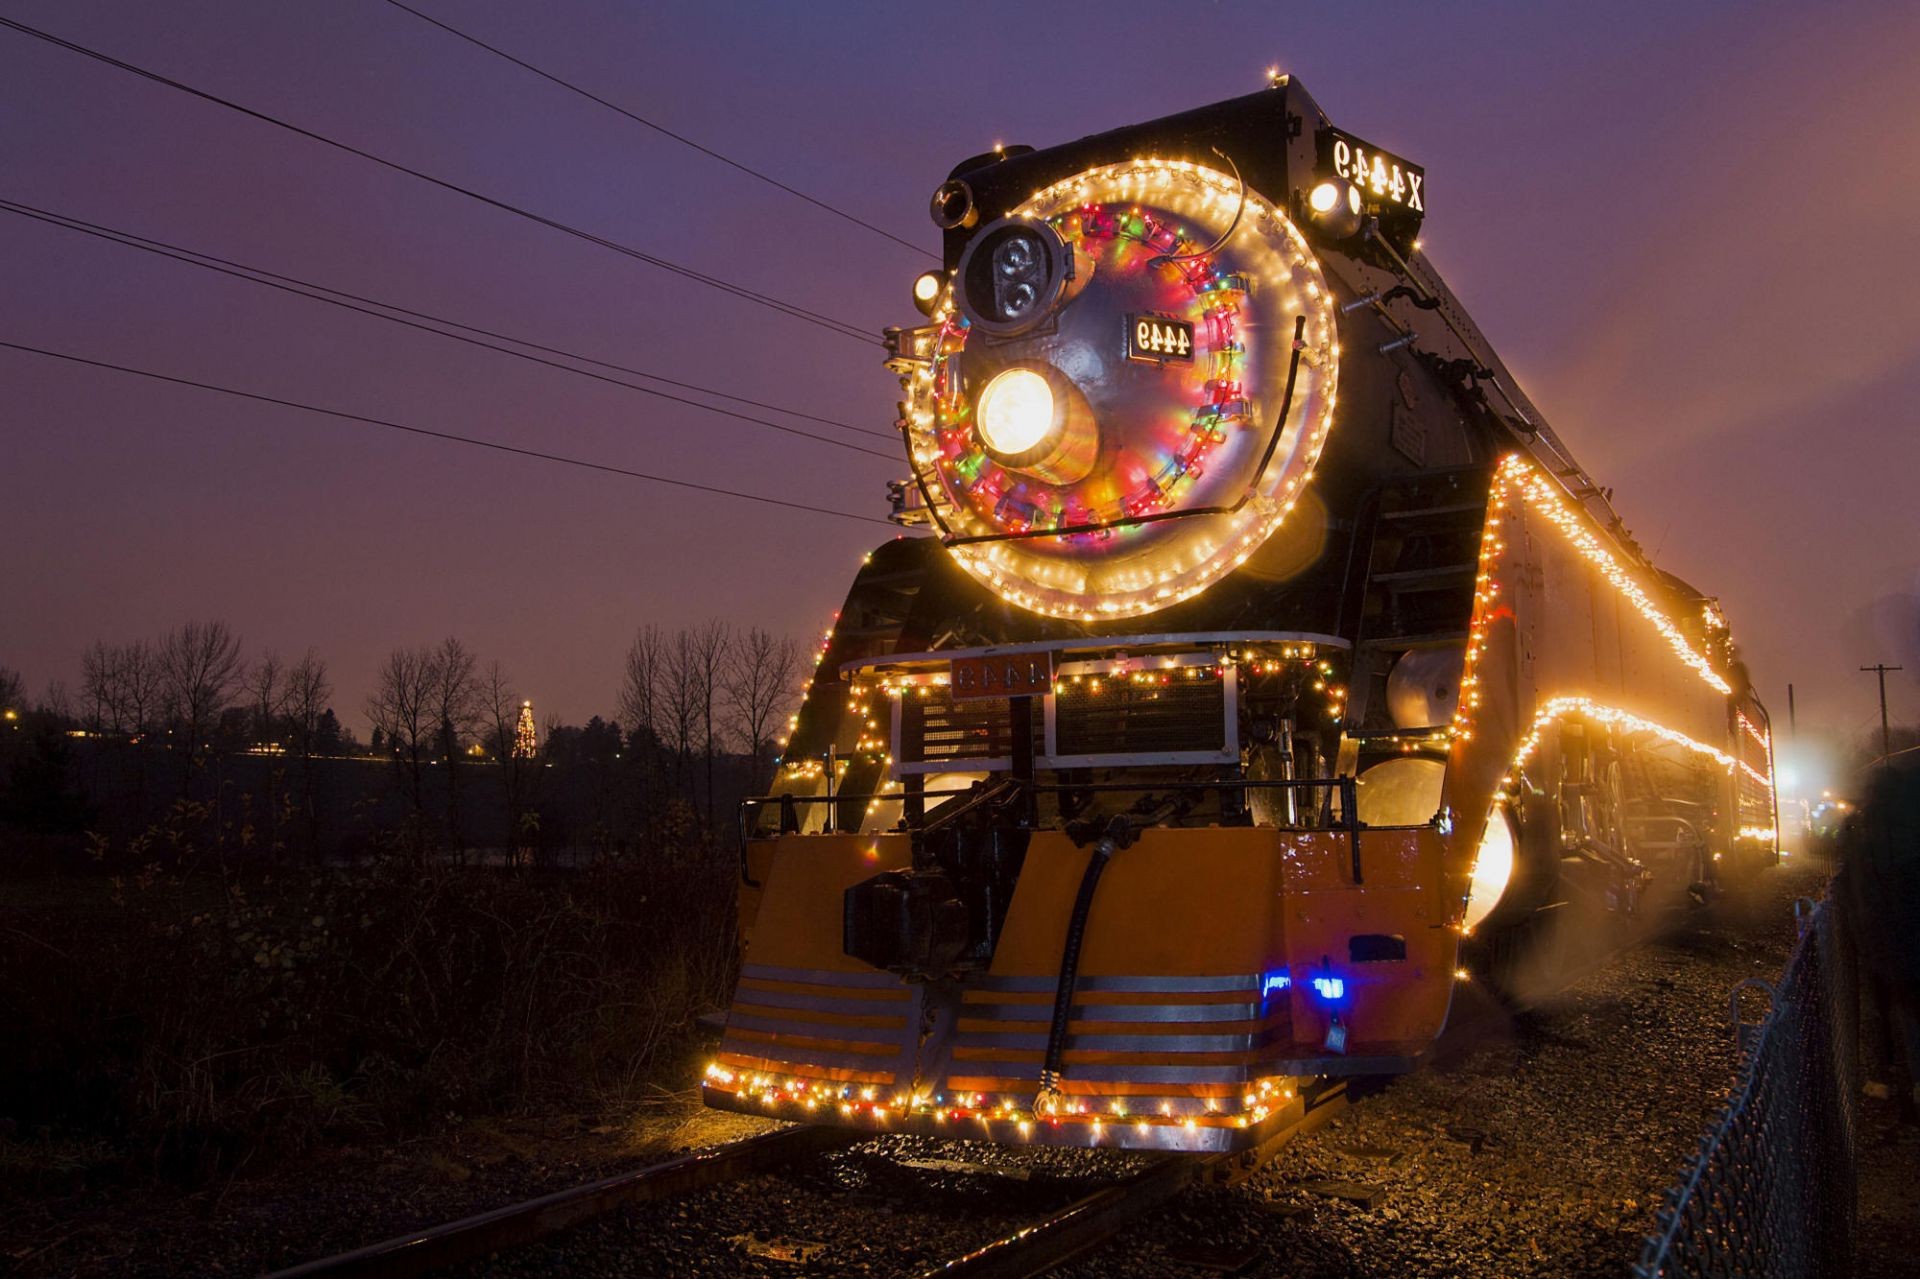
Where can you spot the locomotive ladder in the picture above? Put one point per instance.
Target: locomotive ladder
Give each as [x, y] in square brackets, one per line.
[1417, 578]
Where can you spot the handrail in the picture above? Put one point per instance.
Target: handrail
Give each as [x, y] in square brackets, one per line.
[1345, 786]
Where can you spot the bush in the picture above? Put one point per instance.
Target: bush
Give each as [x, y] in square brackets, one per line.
[195, 1014]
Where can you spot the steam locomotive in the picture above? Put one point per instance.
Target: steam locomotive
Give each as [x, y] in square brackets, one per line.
[1269, 665]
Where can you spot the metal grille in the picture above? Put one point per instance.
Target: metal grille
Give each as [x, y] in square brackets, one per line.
[934, 729]
[1110, 717]
[1772, 1190]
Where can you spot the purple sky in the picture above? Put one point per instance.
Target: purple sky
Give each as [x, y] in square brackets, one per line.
[1686, 227]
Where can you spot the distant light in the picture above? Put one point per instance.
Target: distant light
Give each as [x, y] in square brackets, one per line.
[1330, 988]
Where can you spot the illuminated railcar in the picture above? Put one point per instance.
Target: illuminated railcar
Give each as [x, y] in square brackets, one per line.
[1269, 660]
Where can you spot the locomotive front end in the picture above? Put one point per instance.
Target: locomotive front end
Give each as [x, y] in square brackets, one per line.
[1086, 874]
[1124, 390]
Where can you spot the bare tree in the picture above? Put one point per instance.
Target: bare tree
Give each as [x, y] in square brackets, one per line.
[266, 696]
[307, 692]
[121, 686]
[679, 703]
[455, 693]
[142, 685]
[266, 691]
[101, 686]
[56, 703]
[402, 708]
[759, 684]
[306, 702]
[13, 691]
[200, 669]
[500, 711]
[641, 705]
[640, 700]
[712, 643]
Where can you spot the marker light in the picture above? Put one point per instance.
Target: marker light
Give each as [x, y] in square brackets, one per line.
[1335, 207]
[1016, 411]
[926, 291]
[1330, 988]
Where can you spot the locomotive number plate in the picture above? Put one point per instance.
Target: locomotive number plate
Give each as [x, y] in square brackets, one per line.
[1155, 338]
[1384, 176]
[1014, 675]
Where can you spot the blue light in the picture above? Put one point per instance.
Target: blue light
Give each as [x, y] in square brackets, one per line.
[1273, 982]
[1330, 988]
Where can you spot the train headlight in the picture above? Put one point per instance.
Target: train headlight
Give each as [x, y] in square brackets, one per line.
[1012, 274]
[1016, 412]
[1034, 421]
[1335, 206]
[1492, 868]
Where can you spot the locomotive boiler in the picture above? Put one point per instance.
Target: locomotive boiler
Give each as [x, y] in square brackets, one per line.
[1265, 664]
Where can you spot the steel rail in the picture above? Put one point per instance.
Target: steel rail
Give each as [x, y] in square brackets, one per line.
[1087, 1223]
[1080, 1226]
[416, 1253]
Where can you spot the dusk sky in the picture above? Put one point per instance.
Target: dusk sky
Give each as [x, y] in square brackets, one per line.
[1686, 227]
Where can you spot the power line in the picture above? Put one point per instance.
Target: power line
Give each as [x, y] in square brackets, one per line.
[252, 275]
[449, 436]
[135, 240]
[794, 310]
[659, 128]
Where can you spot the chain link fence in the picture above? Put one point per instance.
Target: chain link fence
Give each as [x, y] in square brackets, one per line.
[1772, 1190]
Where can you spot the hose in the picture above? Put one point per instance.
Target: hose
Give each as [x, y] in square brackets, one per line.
[1120, 833]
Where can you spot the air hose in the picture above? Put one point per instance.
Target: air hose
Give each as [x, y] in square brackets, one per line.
[1120, 832]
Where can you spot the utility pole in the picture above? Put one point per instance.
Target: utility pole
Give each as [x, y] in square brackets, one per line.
[1886, 738]
[1792, 729]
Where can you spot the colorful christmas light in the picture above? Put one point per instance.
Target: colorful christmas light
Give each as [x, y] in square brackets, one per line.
[1144, 223]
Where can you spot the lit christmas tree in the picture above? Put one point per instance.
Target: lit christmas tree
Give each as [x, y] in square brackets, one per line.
[526, 741]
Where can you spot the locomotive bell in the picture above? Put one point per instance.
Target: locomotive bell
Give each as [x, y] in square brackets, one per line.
[1423, 689]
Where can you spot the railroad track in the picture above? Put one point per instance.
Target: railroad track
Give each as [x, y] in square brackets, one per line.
[470, 1238]
[1032, 1249]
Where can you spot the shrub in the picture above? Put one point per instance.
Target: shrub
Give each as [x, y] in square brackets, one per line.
[193, 1011]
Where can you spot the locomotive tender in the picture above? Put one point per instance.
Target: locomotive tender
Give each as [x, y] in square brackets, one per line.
[1269, 664]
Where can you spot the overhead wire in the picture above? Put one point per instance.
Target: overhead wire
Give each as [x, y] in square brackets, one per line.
[448, 436]
[661, 129]
[794, 310]
[317, 293]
